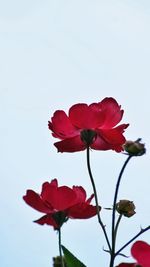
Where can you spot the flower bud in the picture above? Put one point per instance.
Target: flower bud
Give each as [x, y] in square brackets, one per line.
[126, 208]
[88, 136]
[135, 148]
[57, 261]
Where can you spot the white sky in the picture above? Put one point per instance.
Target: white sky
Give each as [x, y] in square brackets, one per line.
[54, 54]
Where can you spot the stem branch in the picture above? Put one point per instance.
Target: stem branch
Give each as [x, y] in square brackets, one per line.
[96, 198]
[113, 255]
[132, 239]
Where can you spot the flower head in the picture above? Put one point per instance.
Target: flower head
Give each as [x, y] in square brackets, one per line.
[91, 125]
[60, 203]
[141, 253]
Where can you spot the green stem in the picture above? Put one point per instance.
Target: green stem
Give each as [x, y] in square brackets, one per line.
[117, 225]
[96, 198]
[132, 239]
[60, 250]
[113, 255]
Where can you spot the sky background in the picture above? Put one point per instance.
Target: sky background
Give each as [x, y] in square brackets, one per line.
[54, 54]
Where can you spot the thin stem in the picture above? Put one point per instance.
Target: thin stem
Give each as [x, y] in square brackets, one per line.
[96, 198]
[114, 210]
[132, 239]
[60, 250]
[117, 225]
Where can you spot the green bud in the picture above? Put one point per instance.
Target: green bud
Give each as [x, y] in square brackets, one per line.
[126, 208]
[57, 262]
[135, 148]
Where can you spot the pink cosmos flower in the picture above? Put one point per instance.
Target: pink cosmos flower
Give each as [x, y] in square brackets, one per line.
[60, 203]
[91, 125]
[141, 253]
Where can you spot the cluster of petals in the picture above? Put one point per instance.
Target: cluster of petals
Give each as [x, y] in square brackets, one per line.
[101, 118]
[54, 200]
[141, 253]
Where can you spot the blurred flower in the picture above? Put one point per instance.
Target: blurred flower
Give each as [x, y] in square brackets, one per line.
[135, 148]
[89, 126]
[141, 253]
[125, 207]
[60, 203]
[57, 262]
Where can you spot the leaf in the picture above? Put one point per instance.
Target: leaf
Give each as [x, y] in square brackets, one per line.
[70, 259]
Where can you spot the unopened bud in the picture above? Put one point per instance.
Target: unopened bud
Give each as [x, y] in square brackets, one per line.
[126, 208]
[57, 262]
[135, 148]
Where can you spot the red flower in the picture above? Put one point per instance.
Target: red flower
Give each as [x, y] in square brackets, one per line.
[91, 125]
[60, 203]
[141, 252]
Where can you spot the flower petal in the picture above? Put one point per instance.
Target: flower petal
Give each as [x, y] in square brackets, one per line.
[34, 200]
[46, 185]
[100, 144]
[141, 252]
[82, 211]
[85, 117]
[90, 199]
[47, 219]
[60, 198]
[61, 125]
[114, 137]
[112, 112]
[80, 193]
[73, 144]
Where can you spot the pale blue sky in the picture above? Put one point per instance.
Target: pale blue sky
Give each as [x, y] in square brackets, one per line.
[54, 54]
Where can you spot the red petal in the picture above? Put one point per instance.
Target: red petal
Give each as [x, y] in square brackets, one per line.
[82, 211]
[47, 219]
[111, 111]
[46, 185]
[100, 144]
[60, 198]
[141, 252]
[85, 117]
[90, 199]
[73, 144]
[34, 200]
[61, 125]
[48, 189]
[65, 198]
[114, 137]
[80, 193]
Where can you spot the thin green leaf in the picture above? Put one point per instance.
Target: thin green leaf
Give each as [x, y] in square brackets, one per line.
[70, 259]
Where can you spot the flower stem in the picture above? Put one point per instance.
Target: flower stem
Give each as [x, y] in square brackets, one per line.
[96, 198]
[113, 255]
[60, 250]
[117, 225]
[132, 239]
